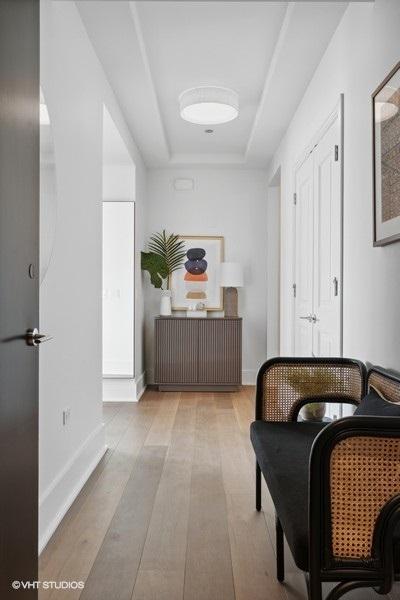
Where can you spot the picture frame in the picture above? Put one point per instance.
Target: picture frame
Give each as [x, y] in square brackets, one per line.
[198, 279]
[386, 159]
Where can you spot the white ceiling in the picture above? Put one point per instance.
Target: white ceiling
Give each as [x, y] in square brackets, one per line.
[266, 51]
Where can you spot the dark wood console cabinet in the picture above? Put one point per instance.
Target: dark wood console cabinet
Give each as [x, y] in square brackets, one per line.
[198, 354]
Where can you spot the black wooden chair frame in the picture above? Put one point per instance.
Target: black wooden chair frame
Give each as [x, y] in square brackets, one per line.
[378, 572]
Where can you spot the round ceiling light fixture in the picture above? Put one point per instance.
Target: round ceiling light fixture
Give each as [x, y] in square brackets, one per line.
[209, 105]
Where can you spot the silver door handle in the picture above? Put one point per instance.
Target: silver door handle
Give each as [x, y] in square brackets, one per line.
[310, 318]
[34, 338]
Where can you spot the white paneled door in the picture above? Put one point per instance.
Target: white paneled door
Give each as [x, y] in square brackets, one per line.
[304, 257]
[319, 249]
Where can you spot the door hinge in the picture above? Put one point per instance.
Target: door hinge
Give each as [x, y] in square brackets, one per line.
[295, 198]
[294, 286]
[335, 286]
[336, 153]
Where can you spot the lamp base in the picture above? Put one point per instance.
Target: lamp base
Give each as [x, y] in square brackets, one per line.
[231, 302]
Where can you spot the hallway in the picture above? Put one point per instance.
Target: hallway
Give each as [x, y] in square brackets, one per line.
[169, 512]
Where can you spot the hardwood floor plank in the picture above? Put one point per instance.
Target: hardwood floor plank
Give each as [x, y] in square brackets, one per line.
[208, 562]
[119, 423]
[118, 559]
[109, 410]
[113, 435]
[160, 431]
[72, 552]
[162, 569]
[169, 512]
[236, 474]
[253, 559]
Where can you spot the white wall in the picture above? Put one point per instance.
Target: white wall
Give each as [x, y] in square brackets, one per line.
[363, 50]
[273, 269]
[75, 89]
[228, 202]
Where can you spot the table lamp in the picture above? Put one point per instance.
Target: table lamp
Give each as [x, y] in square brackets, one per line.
[231, 279]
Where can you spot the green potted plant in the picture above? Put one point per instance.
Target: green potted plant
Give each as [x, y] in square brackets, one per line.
[166, 254]
[308, 383]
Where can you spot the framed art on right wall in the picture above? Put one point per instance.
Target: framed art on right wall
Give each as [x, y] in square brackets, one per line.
[386, 156]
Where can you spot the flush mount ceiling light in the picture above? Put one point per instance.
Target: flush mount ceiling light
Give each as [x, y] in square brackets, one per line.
[209, 105]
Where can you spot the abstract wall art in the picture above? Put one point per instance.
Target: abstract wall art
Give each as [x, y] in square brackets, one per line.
[199, 278]
[386, 153]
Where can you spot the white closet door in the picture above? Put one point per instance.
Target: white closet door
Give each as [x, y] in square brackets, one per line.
[304, 258]
[327, 245]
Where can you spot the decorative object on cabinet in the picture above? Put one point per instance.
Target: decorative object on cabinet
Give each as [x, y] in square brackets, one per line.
[386, 153]
[231, 279]
[165, 256]
[197, 310]
[198, 279]
[198, 354]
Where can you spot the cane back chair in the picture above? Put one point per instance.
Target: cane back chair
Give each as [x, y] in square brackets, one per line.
[353, 473]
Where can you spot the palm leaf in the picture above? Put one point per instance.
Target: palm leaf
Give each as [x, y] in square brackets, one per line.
[170, 248]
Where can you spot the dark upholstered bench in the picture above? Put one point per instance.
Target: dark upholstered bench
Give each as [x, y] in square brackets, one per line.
[335, 487]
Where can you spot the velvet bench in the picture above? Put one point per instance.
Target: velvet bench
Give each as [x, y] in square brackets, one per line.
[335, 487]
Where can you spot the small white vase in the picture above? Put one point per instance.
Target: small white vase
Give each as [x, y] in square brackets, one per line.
[165, 304]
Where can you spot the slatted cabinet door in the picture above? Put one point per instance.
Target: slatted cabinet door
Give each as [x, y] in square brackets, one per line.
[220, 351]
[176, 359]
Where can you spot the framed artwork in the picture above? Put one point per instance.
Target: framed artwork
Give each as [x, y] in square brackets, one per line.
[199, 278]
[386, 156]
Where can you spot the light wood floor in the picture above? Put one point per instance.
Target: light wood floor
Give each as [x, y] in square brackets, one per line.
[169, 512]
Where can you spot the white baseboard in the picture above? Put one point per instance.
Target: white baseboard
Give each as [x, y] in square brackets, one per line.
[141, 385]
[249, 376]
[61, 493]
[123, 389]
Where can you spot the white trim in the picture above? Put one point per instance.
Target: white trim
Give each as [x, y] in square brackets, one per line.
[141, 385]
[65, 487]
[119, 389]
[337, 113]
[249, 376]
[280, 44]
[148, 73]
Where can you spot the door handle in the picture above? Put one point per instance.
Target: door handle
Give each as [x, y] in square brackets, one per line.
[34, 338]
[310, 318]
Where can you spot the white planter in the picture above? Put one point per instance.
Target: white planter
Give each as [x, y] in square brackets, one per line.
[165, 304]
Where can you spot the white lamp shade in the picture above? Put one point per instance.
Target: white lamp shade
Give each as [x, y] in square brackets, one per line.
[231, 274]
[209, 105]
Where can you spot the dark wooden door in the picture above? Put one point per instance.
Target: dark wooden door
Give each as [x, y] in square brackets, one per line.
[19, 243]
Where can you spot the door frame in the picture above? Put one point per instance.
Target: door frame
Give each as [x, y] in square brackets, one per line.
[337, 113]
